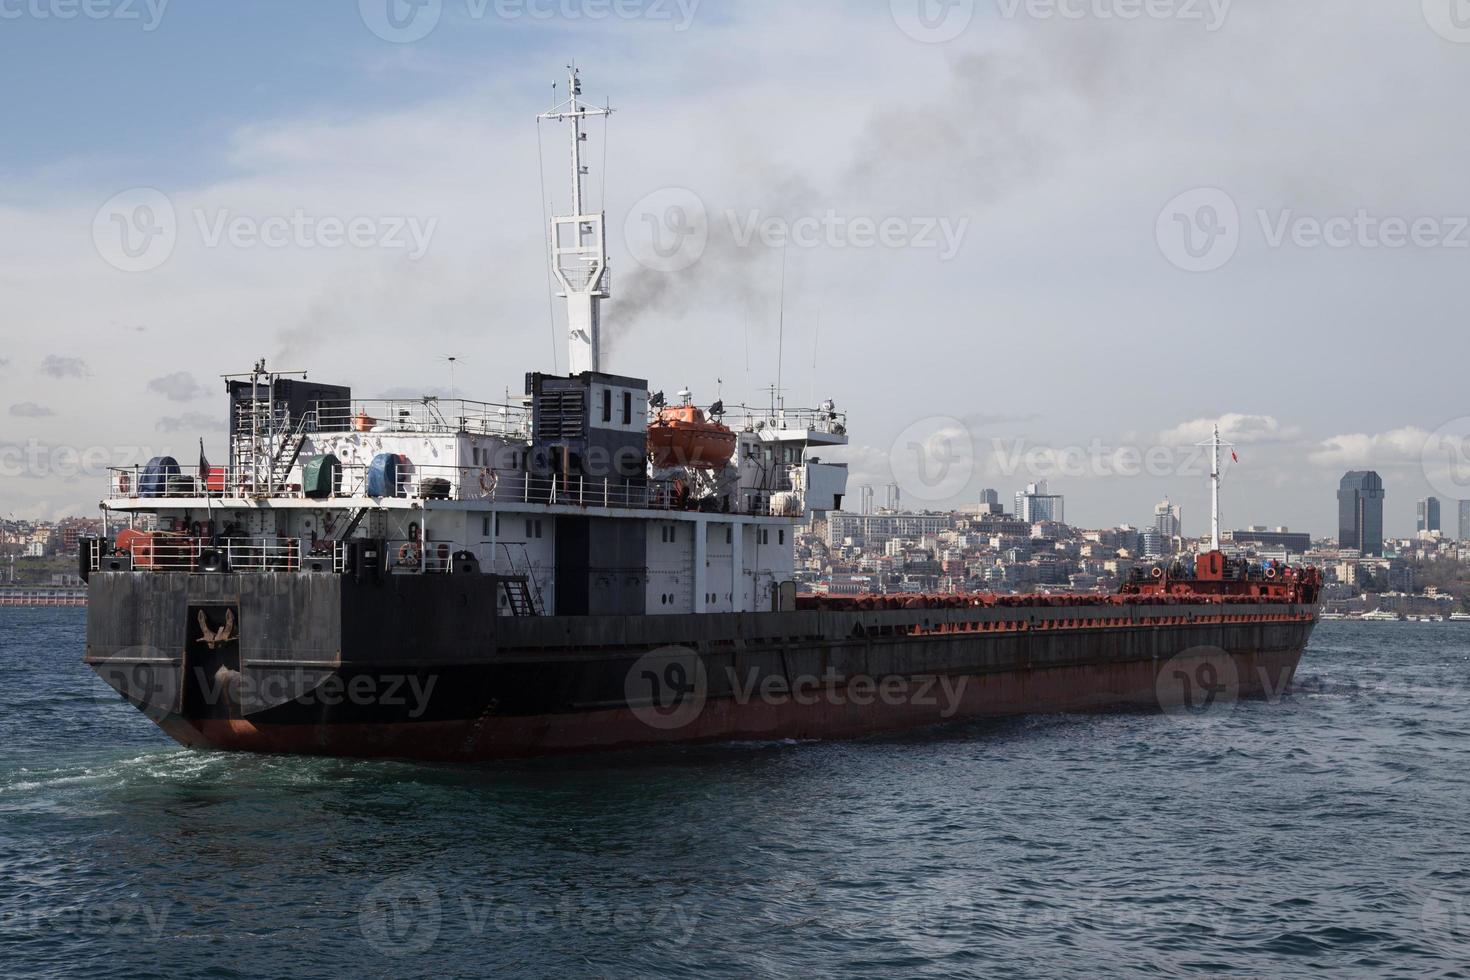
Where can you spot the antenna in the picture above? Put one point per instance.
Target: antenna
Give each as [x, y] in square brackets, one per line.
[452, 361]
[781, 332]
[579, 240]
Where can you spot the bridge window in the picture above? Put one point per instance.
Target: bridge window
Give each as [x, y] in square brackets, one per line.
[607, 405]
[627, 408]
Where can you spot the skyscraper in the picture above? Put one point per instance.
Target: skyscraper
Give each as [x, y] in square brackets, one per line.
[1465, 520]
[1360, 512]
[1428, 514]
[1169, 523]
[1035, 504]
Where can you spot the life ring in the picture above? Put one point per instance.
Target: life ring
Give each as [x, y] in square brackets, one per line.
[408, 554]
[489, 480]
[1157, 572]
[1270, 573]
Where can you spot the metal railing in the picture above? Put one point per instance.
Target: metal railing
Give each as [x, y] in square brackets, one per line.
[168, 552]
[410, 482]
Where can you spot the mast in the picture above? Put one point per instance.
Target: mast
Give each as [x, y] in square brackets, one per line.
[1215, 491]
[579, 241]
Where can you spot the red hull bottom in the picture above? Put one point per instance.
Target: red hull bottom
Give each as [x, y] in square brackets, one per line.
[827, 715]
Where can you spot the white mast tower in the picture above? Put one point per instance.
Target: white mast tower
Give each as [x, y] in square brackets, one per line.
[1215, 492]
[579, 242]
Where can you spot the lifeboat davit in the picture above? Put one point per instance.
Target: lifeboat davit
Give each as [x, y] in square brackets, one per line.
[682, 435]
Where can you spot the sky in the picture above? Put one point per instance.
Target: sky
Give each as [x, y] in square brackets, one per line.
[1020, 239]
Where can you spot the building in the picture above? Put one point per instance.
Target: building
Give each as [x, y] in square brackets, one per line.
[1036, 505]
[990, 503]
[1281, 538]
[1465, 520]
[1360, 513]
[1168, 525]
[876, 530]
[1428, 514]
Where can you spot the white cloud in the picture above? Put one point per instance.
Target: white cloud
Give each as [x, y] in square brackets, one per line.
[1234, 428]
[1365, 451]
[178, 387]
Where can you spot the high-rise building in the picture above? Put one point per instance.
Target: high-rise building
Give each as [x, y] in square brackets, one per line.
[1428, 514]
[1169, 523]
[990, 502]
[1465, 520]
[1035, 504]
[1360, 513]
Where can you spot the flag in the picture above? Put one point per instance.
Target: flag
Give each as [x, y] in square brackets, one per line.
[1234, 458]
[203, 463]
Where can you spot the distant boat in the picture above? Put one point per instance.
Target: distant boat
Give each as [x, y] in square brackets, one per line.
[1460, 617]
[1381, 616]
[1334, 615]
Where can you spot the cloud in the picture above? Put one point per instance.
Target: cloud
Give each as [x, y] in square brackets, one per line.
[57, 366]
[190, 422]
[30, 410]
[1394, 448]
[180, 387]
[1235, 428]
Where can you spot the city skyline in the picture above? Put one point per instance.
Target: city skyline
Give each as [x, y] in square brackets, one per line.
[450, 150]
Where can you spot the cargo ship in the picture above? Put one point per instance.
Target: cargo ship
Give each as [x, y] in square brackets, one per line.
[590, 567]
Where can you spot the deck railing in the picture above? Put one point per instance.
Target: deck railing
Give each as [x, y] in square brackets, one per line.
[411, 482]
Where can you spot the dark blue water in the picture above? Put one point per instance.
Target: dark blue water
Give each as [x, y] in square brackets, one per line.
[1325, 835]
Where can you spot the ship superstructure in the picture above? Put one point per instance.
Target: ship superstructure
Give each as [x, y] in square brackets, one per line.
[591, 564]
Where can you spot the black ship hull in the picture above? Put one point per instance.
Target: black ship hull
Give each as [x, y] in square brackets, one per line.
[417, 668]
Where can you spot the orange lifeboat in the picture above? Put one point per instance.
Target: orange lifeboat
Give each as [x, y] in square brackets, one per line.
[682, 435]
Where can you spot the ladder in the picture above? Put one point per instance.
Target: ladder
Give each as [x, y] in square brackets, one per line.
[518, 595]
